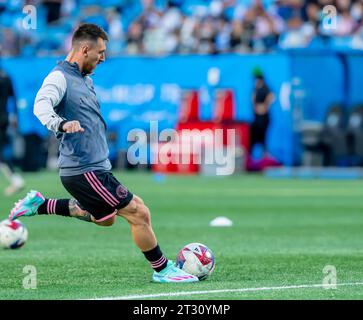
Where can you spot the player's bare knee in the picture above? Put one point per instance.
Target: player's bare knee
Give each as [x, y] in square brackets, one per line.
[136, 213]
[138, 200]
[131, 208]
[144, 214]
[141, 217]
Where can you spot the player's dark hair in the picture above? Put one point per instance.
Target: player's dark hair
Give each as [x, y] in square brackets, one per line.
[88, 31]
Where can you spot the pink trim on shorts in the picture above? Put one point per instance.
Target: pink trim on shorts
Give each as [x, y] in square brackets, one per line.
[107, 217]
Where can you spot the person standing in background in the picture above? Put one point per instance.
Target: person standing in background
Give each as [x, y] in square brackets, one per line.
[262, 99]
[8, 116]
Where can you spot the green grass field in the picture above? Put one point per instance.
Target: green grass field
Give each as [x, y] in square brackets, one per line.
[285, 232]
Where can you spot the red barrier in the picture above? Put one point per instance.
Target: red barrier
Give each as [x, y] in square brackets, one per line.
[224, 115]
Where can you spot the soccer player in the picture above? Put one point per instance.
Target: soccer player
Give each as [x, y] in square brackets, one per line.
[7, 97]
[67, 105]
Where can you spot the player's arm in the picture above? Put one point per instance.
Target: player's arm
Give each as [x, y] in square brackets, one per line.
[49, 96]
[269, 100]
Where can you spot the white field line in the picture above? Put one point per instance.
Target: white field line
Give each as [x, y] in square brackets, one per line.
[187, 293]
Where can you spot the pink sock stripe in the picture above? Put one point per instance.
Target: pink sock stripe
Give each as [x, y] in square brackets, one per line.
[99, 192]
[159, 264]
[49, 205]
[104, 189]
[54, 206]
[158, 261]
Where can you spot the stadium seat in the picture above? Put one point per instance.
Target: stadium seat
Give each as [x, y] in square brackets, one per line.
[355, 135]
[333, 137]
[310, 135]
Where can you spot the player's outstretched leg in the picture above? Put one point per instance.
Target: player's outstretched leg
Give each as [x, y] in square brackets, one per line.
[138, 216]
[35, 203]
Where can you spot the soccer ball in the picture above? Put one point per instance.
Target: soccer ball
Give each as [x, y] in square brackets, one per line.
[196, 259]
[13, 234]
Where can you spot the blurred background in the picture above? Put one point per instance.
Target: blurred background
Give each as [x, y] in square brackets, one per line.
[286, 75]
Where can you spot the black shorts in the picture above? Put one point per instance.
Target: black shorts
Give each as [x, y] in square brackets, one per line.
[98, 192]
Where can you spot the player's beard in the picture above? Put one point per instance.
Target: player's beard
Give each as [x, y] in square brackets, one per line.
[88, 68]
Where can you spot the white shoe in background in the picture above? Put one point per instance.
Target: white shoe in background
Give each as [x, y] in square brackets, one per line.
[17, 184]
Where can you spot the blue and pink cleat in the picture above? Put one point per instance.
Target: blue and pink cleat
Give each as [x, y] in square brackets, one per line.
[173, 274]
[28, 206]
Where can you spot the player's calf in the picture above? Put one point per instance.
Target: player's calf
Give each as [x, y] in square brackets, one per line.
[76, 211]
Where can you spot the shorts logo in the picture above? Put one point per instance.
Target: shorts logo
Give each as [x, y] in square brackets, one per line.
[121, 192]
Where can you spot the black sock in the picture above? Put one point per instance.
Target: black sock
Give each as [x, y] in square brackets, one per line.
[156, 258]
[55, 206]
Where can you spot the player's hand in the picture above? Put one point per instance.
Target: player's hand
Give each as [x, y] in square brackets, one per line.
[72, 127]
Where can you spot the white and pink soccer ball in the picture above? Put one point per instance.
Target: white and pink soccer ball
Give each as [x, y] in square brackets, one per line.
[196, 259]
[13, 234]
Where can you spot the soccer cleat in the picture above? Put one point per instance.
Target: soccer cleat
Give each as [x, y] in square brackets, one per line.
[28, 206]
[173, 274]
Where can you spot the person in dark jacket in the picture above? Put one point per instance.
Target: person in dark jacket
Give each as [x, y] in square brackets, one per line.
[262, 98]
[7, 96]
